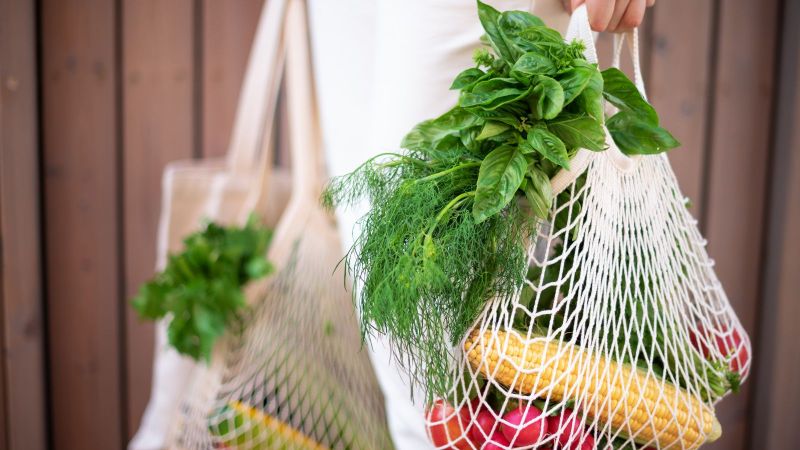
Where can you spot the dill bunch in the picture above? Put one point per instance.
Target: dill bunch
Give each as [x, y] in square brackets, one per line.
[425, 266]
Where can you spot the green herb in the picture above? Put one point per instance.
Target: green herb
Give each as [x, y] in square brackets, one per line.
[446, 233]
[201, 287]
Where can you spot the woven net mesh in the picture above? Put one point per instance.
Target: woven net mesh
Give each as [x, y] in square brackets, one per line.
[295, 376]
[621, 329]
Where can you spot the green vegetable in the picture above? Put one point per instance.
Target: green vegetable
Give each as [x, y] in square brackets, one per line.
[201, 287]
[446, 232]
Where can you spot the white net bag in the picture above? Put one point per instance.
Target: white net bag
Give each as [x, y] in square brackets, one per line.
[621, 336]
[295, 376]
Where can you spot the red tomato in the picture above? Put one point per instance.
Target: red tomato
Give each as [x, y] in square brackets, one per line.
[446, 426]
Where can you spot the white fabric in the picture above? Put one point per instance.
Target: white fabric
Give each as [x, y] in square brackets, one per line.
[381, 67]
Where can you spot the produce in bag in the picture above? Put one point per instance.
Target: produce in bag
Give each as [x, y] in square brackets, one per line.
[532, 260]
[293, 374]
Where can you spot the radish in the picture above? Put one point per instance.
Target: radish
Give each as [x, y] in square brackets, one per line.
[730, 346]
[569, 431]
[524, 426]
[497, 442]
[445, 426]
[482, 427]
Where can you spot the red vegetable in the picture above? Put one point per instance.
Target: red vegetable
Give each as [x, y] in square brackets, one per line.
[446, 426]
[526, 426]
[569, 431]
[481, 427]
[730, 345]
[497, 442]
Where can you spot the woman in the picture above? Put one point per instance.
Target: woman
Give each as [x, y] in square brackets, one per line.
[384, 65]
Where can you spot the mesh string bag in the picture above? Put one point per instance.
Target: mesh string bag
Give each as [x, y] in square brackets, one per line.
[295, 376]
[621, 336]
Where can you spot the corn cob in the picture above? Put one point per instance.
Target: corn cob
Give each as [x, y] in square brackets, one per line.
[256, 430]
[627, 399]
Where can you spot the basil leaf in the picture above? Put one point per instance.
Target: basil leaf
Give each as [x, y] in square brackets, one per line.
[499, 177]
[468, 138]
[491, 129]
[425, 135]
[635, 135]
[489, 18]
[591, 99]
[622, 93]
[467, 78]
[539, 193]
[531, 64]
[549, 146]
[579, 131]
[492, 94]
[511, 23]
[540, 39]
[575, 79]
[547, 98]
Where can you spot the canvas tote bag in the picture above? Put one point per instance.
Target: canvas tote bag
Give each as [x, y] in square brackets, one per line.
[296, 376]
[222, 190]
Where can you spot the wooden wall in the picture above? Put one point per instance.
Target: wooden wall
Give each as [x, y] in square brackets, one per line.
[96, 96]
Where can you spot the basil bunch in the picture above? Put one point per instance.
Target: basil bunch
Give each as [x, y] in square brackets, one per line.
[528, 108]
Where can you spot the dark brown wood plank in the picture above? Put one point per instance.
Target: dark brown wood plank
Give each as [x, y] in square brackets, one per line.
[82, 239]
[228, 29]
[776, 391]
[679, 85]
[158, 83]
[736, 177]
[23, 410]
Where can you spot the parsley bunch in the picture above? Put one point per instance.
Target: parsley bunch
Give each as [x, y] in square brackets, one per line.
[201, 287]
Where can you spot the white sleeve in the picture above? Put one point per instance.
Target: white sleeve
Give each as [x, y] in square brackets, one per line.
[381, 67]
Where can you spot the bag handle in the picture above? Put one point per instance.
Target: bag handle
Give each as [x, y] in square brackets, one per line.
[580, 29]
[632, 38]
[249, 146]
[305, 136]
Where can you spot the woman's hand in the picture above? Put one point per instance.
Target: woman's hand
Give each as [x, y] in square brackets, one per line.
[612, 15]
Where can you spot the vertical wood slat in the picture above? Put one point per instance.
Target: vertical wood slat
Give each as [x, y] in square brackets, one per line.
[22, 364]
[81, 187]
[736, 184]
[776, 392]
[679, 85]
[158, 89]
[228, 30]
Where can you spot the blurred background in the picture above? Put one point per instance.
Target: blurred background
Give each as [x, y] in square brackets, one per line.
[97, 96]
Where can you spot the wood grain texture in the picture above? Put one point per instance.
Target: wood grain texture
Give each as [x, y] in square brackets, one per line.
[228, 30]
[679, 86]
[23, 379]
[81, 189]
[776, 391]
[736, 184]
[158, 83]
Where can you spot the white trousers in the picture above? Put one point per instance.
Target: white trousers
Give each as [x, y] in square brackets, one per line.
[381, 67]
